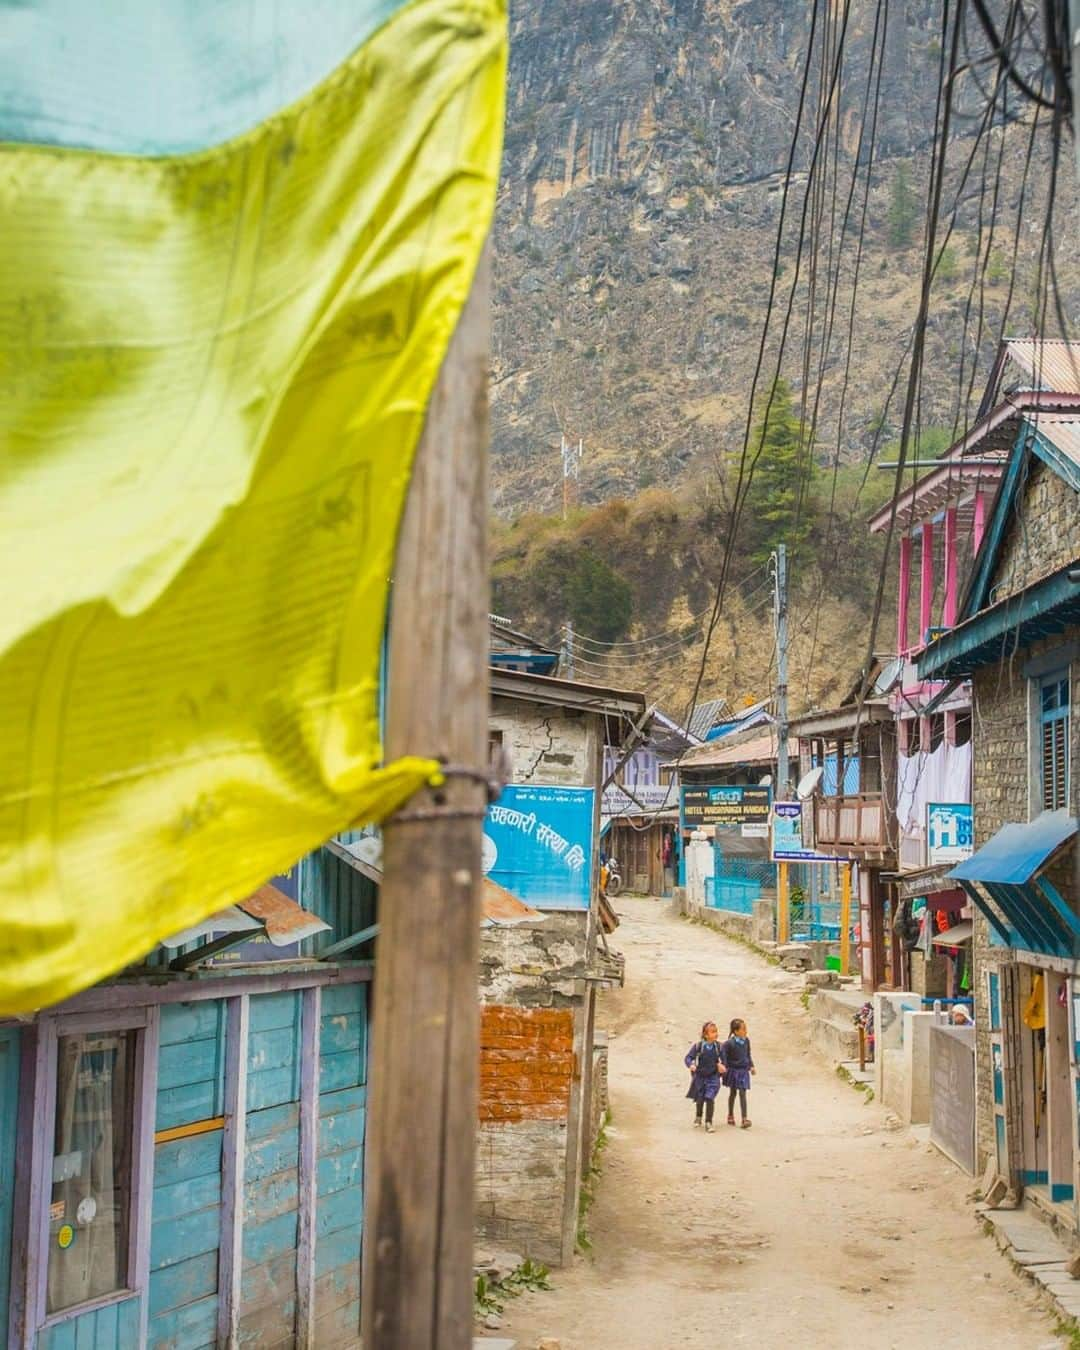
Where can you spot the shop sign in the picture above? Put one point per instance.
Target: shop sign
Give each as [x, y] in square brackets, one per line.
[538, 845]
[743, 808]
[616, 800]
[787, 836]
[950, 832]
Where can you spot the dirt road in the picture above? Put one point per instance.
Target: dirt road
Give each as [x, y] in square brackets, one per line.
[820, 1226]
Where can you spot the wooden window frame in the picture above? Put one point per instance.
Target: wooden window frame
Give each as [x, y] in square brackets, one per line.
[1045, 719]
[32, 1317]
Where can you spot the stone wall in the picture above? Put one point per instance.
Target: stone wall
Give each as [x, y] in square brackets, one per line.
[536, 965]
[599, 1100]
[1002, 791]
[546, 745]
[1044, 537]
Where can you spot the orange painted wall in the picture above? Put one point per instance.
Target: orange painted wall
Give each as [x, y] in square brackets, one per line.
[526, 1063]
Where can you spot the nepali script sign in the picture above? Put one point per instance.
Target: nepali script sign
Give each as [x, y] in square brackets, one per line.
[538, 844]
[787, 836]
[742, 808]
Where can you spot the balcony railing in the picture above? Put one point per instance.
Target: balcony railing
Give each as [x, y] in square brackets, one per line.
[851, 822]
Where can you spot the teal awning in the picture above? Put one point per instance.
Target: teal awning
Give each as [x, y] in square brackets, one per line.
[995, 633]
[1006, 880]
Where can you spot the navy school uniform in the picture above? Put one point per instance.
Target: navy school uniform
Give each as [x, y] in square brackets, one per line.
[738, 1059]
[705, 1057]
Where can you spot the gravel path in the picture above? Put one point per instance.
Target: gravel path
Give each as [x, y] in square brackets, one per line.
[820, 1226]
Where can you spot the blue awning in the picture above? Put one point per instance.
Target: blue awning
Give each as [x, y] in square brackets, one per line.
[1005, 880]
[1014, 855]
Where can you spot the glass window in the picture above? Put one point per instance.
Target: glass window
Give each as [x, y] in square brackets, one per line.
[1054, 741]
[90, 1209]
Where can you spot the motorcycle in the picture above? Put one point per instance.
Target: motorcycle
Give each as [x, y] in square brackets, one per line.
[614, 878]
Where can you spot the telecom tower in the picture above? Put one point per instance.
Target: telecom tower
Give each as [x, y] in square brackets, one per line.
[571, 473]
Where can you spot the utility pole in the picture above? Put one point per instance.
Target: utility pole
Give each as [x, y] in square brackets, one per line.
[568, 651]
[780, 558]
[418, 1192]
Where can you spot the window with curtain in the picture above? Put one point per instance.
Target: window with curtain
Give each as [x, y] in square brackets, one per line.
[90, 1211]
[1054, 740]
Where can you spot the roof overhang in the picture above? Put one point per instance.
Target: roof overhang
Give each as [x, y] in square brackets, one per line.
[847, 719]
[996, 633]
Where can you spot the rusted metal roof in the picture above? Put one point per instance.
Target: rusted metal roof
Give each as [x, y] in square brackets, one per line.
[268, 910]
[285, 921]
[1045, 363]
[1063, 432]
[752, 747]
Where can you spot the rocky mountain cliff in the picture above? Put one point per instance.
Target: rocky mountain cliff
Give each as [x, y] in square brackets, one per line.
[646, 143]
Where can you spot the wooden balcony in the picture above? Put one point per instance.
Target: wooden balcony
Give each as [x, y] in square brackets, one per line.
[853, 825]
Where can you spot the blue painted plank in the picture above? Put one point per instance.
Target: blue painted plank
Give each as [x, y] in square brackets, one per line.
[195, 1324]
[337, 1171]
[59, 1337]
[186, 1282]
[190, 1021]
[274, 1195]
[264, 1241]
[340, 1248]
[185, 1197]
[190, 1062]
[274, 1010]
[340, 1071]
[272, 1049]
[184, 1237]
[106, 1330]
[128, 1322]
[185, 1105]
[337, 1288]
[347, 1031]
[341, 1209]
[277, 1154]
[349, 1099]
[268, 1284]
[273, 1087]
[343, 998]
[340, 1327]
[185, 1159]
[341, 1131]
[273, 1120]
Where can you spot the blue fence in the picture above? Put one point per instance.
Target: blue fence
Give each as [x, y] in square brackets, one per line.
[737, 883]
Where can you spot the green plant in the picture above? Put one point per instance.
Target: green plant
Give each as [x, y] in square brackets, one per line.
[782, 475]
[489, 1296]
[947, 266]
[588, 1186]
[903, 209]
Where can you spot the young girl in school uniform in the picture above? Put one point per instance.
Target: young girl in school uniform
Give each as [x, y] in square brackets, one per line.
[738, 1063]
[704, 1062]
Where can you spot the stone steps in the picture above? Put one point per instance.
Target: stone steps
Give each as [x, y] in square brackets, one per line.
[832, 1029]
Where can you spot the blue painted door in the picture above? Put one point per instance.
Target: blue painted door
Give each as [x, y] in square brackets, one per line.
[9, 1101]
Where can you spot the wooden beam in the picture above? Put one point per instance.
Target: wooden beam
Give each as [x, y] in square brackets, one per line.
[310, 1022]
[207, 1126]
[845, 918]
[418, 1230]
[142, 1167]
[233, 1154]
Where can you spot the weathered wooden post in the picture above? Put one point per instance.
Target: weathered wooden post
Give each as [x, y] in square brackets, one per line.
[418, 1232]
[845, 918]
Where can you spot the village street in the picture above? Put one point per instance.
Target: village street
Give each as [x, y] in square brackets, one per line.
[819, 1226]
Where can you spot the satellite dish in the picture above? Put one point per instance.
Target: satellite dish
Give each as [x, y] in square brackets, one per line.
[890, 673]
[766, 781]
[808, 783]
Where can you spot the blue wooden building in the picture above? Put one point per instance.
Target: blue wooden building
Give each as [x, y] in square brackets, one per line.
[182, 1147]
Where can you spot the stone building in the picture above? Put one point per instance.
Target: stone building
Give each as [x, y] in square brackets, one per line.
[1018, 641]
[539, 980]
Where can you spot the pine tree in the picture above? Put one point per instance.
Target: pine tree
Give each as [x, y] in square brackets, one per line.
[903, 210]
[776, 507]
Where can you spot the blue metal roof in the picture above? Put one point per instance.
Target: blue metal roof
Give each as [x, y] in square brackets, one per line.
[1016, 853]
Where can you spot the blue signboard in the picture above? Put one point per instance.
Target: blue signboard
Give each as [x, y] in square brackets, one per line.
[950, 832]
[538, 844]
[787, 836]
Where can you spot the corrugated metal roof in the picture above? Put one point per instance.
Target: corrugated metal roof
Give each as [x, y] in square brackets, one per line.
[284, 921]
[705, 716]
[1062, 431]
[756, 747]
[1046, 363]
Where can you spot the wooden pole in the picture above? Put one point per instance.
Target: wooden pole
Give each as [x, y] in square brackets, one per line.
[782, 908]
[418, 1230]
[845, 918]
